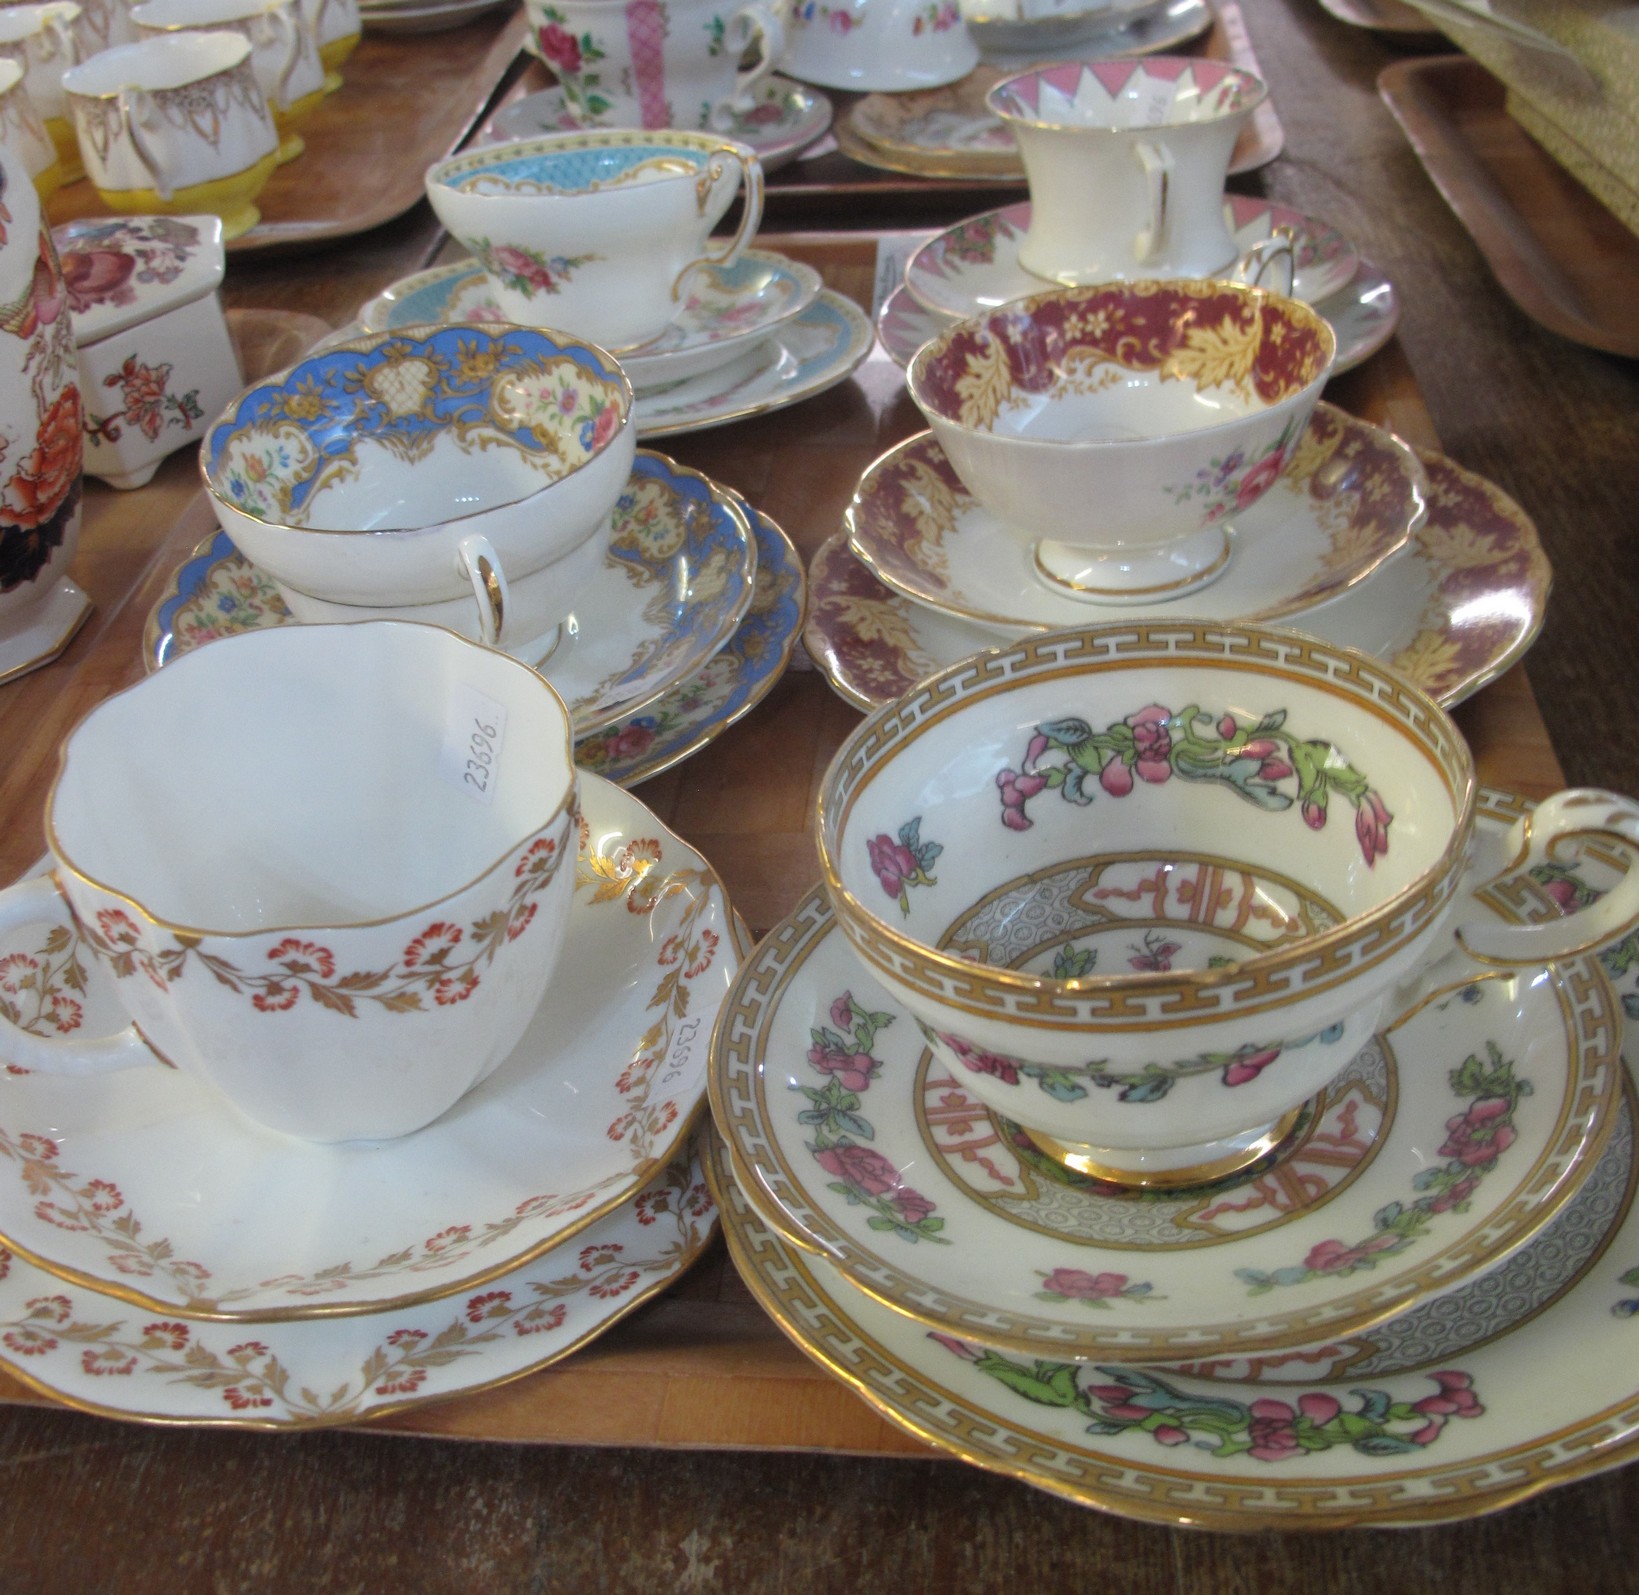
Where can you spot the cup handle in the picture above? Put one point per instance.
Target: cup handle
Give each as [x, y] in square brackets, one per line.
[751, 184]
[133, 102]
[289, 34]
[1274, 251]
[1582, 813]
[65, 47]
[1157, 165]
[476, 559]
[37, 901]
[763, 23]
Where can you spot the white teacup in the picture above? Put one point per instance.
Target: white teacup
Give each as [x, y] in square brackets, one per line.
[337, 27]
[349, 923]
[886, 45]
[44, 41]
[100, 25]
[1126, 162]
[23, 130]
[175, 125]
[284, 54]
[597, 234]
[656, 63]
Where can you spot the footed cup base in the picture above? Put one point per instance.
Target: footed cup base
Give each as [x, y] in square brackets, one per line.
[1115, 576]
[1176, 1167]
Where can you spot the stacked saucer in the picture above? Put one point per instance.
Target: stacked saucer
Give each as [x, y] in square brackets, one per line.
[718, 592]
[1381, 1314]
[169, 1260]
[753, 337]
[422, 16]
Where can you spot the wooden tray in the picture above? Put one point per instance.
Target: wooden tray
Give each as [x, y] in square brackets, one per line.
[1562, 257]
[407, 101]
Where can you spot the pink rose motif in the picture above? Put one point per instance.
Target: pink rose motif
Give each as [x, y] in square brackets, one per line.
[606, 425]
[1249, 1065]
[842, 1011]
[854, 1069]
[981, 1062]
[511, 262]
[630, 742]
[1274, 1426]
[1456, 1196]
[1116, 778]
[859, 1166]
[1078, 1283]
[1563, 893]
[1481, 1135]
[1153, 742]
[560, 48]
[892, 862]
[1271, 767]
[1259, 479]
[1017, 788]
[1335, 1257]
[1314, 814]
[912, 1205]
[1455, 1399]
[1371, 826]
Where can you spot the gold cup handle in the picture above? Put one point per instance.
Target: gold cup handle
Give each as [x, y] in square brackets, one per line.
[37, 901]
[1556, 825]
[1156, 164]
[751, 185]
[136, 109]
[1277, 252]
[476, 559]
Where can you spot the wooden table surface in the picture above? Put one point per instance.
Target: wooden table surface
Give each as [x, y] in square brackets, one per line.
[416, 1503]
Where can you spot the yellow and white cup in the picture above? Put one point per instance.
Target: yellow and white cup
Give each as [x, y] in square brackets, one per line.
[283, 52]
[337, 26]
[176, 124]
[43, 40]
[23, 131]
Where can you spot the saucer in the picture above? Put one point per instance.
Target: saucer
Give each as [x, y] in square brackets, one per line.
[1348, 496]
[732, 682]
[217, 592]
[786, 119]
[1363, 314]
[1156, 28]
[853, 1142]
[424, 19]
[678, 579]
[815, 351]
[1451, 611]
[729, 309]
[1497, 1420]
[43, 630]
[1049, 36]
[974, 265]
[96, 1353]
[146, 1186]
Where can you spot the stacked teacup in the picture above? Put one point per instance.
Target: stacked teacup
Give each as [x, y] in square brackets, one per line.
[346, 1031]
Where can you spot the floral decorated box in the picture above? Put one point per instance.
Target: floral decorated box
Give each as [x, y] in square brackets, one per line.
[156, 363]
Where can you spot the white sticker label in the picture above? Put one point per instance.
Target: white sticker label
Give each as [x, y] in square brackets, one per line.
[473, 733]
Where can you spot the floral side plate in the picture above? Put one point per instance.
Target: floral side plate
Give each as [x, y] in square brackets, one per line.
[101, 1354]
[1447, 1142]
[813, 352]
[787, 118]
[729, 308]
[974, 265]
[1345, 498]
[217, 592]
[1452, 610]
[678, 580]
[1481, 1398]
[145, 1185]
[1363, 314]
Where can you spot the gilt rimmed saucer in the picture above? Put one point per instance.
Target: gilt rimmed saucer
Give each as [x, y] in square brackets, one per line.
[1552, 1400]
[788, 116]
[815, 351]
[679, 578]
[1447, 1142]
[1451, 611]
[146, 1185]
[730, 684]
[974, 265]
[101, 1354]
[1053, 32]
[217, 592]
[1363, 314]
[1348, 496]
[1156, 28]
[729, 308]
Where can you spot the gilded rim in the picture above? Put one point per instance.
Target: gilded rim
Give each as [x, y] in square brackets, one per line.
[367, 343]
[1253, 87]
[564, 806]
[449, 174]
[873, 745]
[683, 1262]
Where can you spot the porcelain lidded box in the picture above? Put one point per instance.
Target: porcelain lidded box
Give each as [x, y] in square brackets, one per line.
[156, 362]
